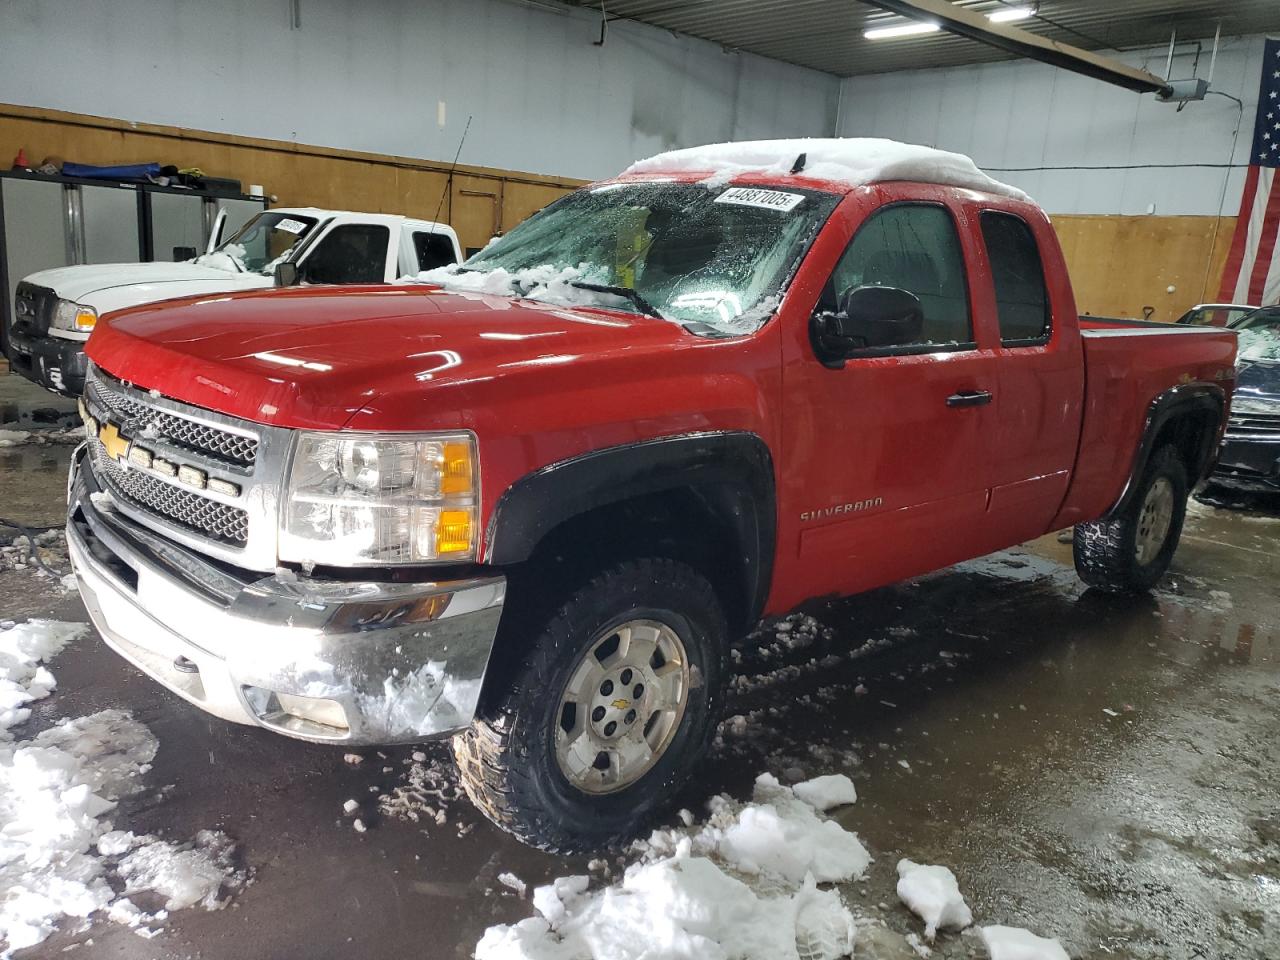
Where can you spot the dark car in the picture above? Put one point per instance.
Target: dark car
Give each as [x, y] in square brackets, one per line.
[1250, 456]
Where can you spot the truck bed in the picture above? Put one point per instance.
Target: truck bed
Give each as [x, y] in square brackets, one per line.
[1128, 363]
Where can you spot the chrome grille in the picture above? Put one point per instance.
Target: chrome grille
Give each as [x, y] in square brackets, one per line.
[1254, 424]
[223, 445]
[218, 521]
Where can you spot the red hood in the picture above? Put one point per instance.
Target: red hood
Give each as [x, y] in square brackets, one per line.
[314, 357]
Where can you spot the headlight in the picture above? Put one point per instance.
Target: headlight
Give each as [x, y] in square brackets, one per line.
[362, 499]
[75, 317]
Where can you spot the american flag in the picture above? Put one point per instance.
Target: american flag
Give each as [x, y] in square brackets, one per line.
[1252, 273]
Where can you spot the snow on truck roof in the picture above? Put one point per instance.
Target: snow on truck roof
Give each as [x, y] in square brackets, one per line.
[855, 161]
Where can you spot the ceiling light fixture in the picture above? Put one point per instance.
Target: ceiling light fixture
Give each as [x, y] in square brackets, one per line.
[1003, 15]
[901, 30]
[1009, 14]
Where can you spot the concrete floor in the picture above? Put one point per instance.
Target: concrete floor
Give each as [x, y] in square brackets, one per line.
[1150, 833]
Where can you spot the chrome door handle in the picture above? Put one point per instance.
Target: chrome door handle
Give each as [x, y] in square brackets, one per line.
[969, 398]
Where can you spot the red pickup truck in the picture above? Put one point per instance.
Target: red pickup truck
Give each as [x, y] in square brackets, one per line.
[530, 505]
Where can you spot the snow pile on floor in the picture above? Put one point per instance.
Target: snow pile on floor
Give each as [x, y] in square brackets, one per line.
[1014, 943]
[22, 679]
[1016, 565]
[933, 895]
[742, 885]
[58, 852]
[54, 790]
[429, 788]
[16, 438]
[852, 160]
[824, 793]
[780, 834]
[184, 874]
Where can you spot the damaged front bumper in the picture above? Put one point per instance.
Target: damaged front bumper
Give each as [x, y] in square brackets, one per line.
[320, 660]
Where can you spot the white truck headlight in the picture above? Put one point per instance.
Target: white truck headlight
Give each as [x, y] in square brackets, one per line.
[364, 499]
[74, 317]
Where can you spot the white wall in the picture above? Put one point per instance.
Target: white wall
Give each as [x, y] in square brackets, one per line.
[1023, 114]
[369, 75]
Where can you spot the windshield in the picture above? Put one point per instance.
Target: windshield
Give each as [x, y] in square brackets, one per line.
[1259, 335]
[1214, 316]
[261, 243]
[713, 258]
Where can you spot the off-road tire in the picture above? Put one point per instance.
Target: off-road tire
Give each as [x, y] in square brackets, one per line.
[1106, 550]
[507, 758]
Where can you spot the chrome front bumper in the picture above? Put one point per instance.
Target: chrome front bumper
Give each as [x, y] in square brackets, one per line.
[320, 660]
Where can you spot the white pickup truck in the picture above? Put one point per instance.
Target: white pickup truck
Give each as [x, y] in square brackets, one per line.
[56, 310]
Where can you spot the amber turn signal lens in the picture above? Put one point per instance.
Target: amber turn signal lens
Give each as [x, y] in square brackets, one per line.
[455, 472]
[453, 532]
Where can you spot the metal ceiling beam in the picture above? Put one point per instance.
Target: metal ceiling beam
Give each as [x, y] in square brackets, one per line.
[1023, 43]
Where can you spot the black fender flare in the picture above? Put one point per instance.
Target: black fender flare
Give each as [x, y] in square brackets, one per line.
[1166, 407]
[731, 470]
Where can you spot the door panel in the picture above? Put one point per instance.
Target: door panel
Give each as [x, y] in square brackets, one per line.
[885, 478]
[901, 487]
[1041, 378]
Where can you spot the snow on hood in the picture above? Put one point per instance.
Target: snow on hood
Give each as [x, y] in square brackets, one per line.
[856, 161]
[546, 283]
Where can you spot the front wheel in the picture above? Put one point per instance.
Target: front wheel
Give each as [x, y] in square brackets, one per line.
[1131, 550]
[610, 708]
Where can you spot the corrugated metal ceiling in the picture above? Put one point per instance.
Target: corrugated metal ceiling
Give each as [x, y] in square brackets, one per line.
[827, 34]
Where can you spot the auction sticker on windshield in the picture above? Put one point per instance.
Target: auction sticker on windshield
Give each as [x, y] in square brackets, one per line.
[291, 226]
[753, 197]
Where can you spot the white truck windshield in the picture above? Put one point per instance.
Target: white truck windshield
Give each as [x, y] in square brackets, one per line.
[261, 243]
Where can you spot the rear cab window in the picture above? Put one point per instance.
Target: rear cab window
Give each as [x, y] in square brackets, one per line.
[433, 250]
[1022, 302]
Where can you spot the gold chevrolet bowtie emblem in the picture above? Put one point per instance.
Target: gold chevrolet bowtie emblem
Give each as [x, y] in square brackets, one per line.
[620, 704]
[116, 445]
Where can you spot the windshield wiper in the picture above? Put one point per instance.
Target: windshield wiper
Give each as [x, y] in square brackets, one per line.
[627, 293]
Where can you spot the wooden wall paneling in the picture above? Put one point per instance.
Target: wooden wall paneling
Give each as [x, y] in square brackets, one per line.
[1120, 265]
[482, 199]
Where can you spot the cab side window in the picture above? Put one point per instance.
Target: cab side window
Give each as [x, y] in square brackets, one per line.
[350, 253]
[915, 247]
[1022, 304]
[433, 250]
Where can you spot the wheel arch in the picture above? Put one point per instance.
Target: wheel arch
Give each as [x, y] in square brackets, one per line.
[1191, 418]
[719, 483]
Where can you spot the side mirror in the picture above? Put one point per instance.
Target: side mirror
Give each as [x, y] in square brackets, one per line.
[868, 317]
[287, 274]
[181, 254]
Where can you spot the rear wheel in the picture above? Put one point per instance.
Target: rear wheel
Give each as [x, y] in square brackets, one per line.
[607, 713]
[1131, 550]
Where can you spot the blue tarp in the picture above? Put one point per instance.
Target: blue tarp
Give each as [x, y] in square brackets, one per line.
[129, 171]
